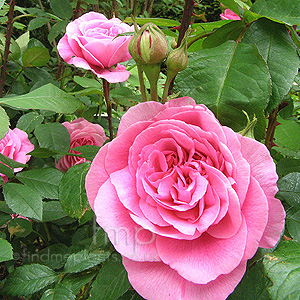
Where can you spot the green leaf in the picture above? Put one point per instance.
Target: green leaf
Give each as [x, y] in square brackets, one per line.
[44, 181]
[228, 79]
[43, 153]
[75, 281]
[15, 51]
[6, 171]
[286, 11]
[72, 194]
[54, 256]
[57, 29]
[60, 292]
[289, 189]
[6, 252]
[230, 31]
[29, 279]
[87, 151]
[1, 3]
[4, 218]
[61, 8]
[47, 97]
[288, 165]
[253, 285]
[78, 262]
[19, 227]
[29, 121]
[293, 222]
[283, 268]
[4, 121]
[88, 82]
[4, 208]
[125, 96]
[277, 48]
[53, 136]
[287, 134]
[37, 23]
[52, 211]
[35, 57]
[111, 282]
[156, 21]
[23, 41]
[23, 200]
[10, 162]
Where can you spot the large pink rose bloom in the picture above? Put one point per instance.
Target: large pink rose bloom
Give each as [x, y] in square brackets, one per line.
[229, 15]
[82, 133]
[90, 43]
[16, 145]
[185, 200]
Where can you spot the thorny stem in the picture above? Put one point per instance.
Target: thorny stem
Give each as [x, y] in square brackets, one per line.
[269, 140]
[76, 12]
[7, 45]
[108, 108]
[185, 23]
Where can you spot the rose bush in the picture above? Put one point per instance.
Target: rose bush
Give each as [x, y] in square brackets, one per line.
[16, 145]
[185, 200]
[229, 15]
[90, 43]
[82, 133]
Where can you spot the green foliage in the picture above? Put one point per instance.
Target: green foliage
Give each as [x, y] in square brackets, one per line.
[111, 282]
[52, 248]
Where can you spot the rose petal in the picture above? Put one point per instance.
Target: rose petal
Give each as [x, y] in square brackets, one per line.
[113, 75]
[128, 238]
[264, 171]
[169, 285]
[203, 259]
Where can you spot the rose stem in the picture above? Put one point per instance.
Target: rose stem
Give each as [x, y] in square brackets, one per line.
[142, 83]
[166, 89]
[108, 108]
[7, 44]
[185, 23]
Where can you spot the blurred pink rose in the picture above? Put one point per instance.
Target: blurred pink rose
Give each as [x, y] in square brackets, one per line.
[82, 133]
[16, 145]
[229, 15]
[90, 43]
[185, 200]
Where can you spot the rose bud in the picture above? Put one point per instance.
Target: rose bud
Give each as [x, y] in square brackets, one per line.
[149, 45]
[177, 59]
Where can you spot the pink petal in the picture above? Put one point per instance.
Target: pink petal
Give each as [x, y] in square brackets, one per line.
[242, 176]
[203, 259]
[129, 239]
[160, 282]
[255, 211]
[64, 49]
[113, 75]
[143, 112]
[263, 170]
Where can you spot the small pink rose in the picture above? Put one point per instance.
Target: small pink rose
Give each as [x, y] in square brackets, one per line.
[185, 200]
[16, 145]
[91, 43]
[82, 133]
[229, 15]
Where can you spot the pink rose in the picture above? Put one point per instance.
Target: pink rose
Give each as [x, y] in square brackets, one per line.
[90, 43]
[16, 145]
[82, 133]
[229, 15]
[185, 200]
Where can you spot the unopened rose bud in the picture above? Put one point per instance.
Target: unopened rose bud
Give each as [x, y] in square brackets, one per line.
[149, 45]
[177, 59]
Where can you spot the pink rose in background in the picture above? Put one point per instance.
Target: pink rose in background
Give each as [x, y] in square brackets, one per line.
[229, 15]
[82, 133]
[185, 200]
[90, 43]
[16, 145]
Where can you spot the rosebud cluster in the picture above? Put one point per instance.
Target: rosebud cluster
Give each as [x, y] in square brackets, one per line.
[149, 48]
